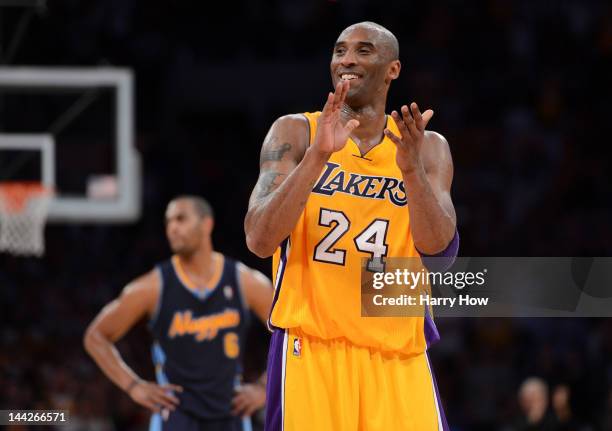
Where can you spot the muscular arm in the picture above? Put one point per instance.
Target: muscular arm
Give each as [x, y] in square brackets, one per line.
[432, 214]
[288, 171]
[138, 299]
[257, 290]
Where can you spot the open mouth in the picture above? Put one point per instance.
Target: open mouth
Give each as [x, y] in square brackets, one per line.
[349, 76]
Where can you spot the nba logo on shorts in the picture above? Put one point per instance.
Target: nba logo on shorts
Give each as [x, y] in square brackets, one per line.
[297, 347]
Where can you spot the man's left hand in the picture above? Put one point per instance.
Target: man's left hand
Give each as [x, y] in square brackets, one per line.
[249, 399]
[411, 125]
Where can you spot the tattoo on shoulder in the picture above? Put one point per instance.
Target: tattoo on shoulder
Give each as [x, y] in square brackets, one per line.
[267, 183]
[275, 154]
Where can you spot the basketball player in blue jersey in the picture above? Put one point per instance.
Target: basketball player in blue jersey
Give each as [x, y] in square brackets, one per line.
[197, 303]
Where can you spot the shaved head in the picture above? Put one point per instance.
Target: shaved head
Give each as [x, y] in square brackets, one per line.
[366, 55]
[381, 36]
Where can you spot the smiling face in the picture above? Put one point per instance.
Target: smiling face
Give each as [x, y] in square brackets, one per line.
[365, 55]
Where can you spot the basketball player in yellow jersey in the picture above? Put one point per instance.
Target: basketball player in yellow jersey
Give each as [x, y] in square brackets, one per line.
[335, 187]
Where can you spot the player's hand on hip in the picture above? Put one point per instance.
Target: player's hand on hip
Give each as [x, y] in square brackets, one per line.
[332, 133]
[411, 125]
[248, 399]
[155, 397]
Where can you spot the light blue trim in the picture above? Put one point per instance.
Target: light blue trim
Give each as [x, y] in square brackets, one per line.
[156, 422]
[155, 315]
[201, 295]
[159, 360]
[246, 424]
[246, 421]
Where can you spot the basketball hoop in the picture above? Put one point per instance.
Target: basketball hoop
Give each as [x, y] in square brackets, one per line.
[23, 212]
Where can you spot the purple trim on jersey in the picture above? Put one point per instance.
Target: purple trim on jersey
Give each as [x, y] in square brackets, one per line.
[445, 426]
[274, 386]
[432, 335]
[279, 279]
[442, 261]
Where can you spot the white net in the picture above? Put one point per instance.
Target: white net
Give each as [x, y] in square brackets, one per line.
[23, 212]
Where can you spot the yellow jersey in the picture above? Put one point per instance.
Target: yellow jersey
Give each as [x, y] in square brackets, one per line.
[357, 208]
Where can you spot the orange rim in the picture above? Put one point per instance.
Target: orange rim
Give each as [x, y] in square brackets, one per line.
[15, 195]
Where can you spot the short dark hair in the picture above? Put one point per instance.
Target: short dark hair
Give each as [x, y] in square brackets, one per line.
[200, 205]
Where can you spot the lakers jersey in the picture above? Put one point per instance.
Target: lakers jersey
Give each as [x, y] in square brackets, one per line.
[357, 209]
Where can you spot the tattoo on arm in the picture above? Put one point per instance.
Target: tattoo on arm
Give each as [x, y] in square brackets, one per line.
[274, 155]
[266, 184]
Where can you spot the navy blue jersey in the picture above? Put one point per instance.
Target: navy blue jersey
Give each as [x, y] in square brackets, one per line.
[199, 336]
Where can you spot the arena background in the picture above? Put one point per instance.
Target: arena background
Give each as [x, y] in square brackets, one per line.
[521, 90]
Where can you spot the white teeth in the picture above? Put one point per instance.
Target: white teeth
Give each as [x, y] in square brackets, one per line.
[348, 76]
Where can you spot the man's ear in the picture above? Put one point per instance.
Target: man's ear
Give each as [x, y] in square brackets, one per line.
[208, 224]
[394, 70]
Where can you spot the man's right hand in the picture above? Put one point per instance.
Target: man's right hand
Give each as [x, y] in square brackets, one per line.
[332, 134]
[155, 397]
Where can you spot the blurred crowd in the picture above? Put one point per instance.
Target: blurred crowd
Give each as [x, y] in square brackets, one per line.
[520, 89]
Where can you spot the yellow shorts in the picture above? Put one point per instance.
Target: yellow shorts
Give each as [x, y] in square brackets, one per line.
[333, 385]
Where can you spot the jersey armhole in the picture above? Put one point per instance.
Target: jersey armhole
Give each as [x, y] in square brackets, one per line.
[155, 315]
[240, 290]
[311, 125]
